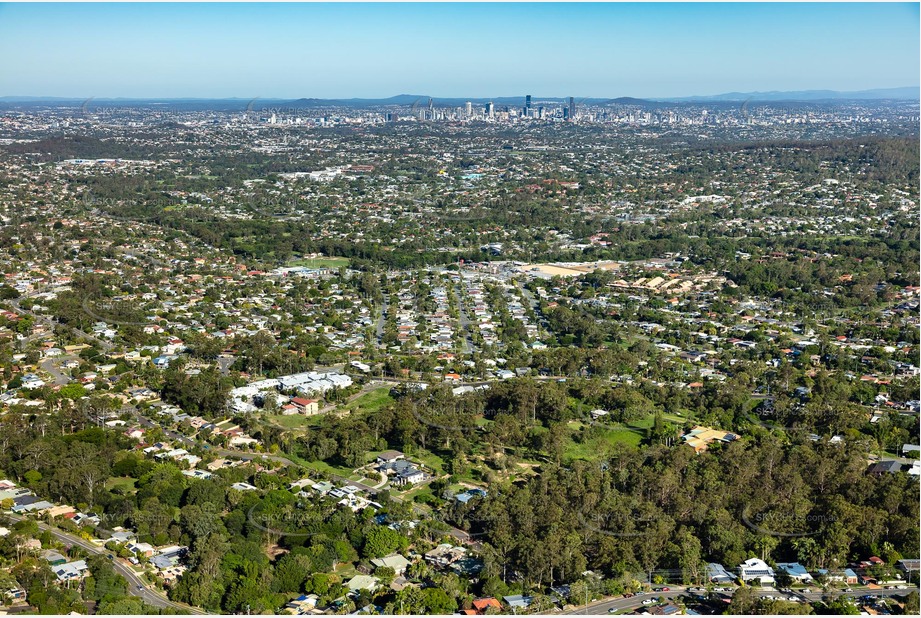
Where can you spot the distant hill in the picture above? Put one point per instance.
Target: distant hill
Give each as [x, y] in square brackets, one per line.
[405, 100]
[908, 93]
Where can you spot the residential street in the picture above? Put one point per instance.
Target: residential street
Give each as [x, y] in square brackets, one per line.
[136, 586]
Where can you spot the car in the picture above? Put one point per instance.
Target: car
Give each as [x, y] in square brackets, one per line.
[648, 601]
[806, 590]
[111, 557]
[848, 590]
[627, 595]
[666, 590]
[612, 610]
[901, 587]
[140, 587]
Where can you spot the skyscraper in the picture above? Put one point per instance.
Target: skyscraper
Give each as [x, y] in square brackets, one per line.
[572, 108]
[527, 106]
[490, 110]
[468, 108]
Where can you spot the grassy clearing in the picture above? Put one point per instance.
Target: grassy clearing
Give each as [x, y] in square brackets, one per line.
[320, 262]
[322, 466]
[592, 449]
[430, 460]
[372, 401]
[126, 483]
[295, 421]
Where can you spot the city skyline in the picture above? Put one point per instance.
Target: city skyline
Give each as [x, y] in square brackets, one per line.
[474, 50]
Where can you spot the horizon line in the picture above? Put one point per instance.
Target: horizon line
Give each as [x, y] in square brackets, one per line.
[436, 97]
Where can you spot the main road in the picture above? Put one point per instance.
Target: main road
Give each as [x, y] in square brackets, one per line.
[610, 606]
[136, 585]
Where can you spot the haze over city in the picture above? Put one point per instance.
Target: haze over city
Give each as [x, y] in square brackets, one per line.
[378, 50]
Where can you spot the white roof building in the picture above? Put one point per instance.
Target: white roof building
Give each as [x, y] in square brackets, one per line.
[755, 568]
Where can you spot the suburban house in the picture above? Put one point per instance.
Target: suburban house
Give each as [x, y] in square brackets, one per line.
[885, 467]
[755, 568]
[71, 571]
[306, 406]
[518, 601]
[410, 476]
[445, 554]
[389, 456]
[482, 605]
[795, 570]
[718, 574]
[302, 604]
[141, 549]
[403, 472]
[53, 557]
[363, 582]
[169, 557]
[848, 576]
[394, 561]
[466, 496]
[700, 438]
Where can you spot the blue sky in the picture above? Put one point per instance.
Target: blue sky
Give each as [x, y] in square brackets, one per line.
[452, 50]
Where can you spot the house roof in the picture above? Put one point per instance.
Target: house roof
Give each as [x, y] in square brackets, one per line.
[393, 561]
[885, 466]
[794, 569]
[486, 602]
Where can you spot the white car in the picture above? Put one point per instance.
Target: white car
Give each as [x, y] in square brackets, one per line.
[648, 602]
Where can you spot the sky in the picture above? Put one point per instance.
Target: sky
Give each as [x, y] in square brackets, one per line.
[345, 50]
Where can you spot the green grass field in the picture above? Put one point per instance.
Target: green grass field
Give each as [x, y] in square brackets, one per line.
[631, 435]
[320, 262]
[126, 483]
[322, 466]
[295, 421]
[372, 401]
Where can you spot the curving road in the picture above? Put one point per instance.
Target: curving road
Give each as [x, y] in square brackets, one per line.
[136, 585]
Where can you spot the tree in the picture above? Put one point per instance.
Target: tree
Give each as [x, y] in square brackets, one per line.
[381, 541]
